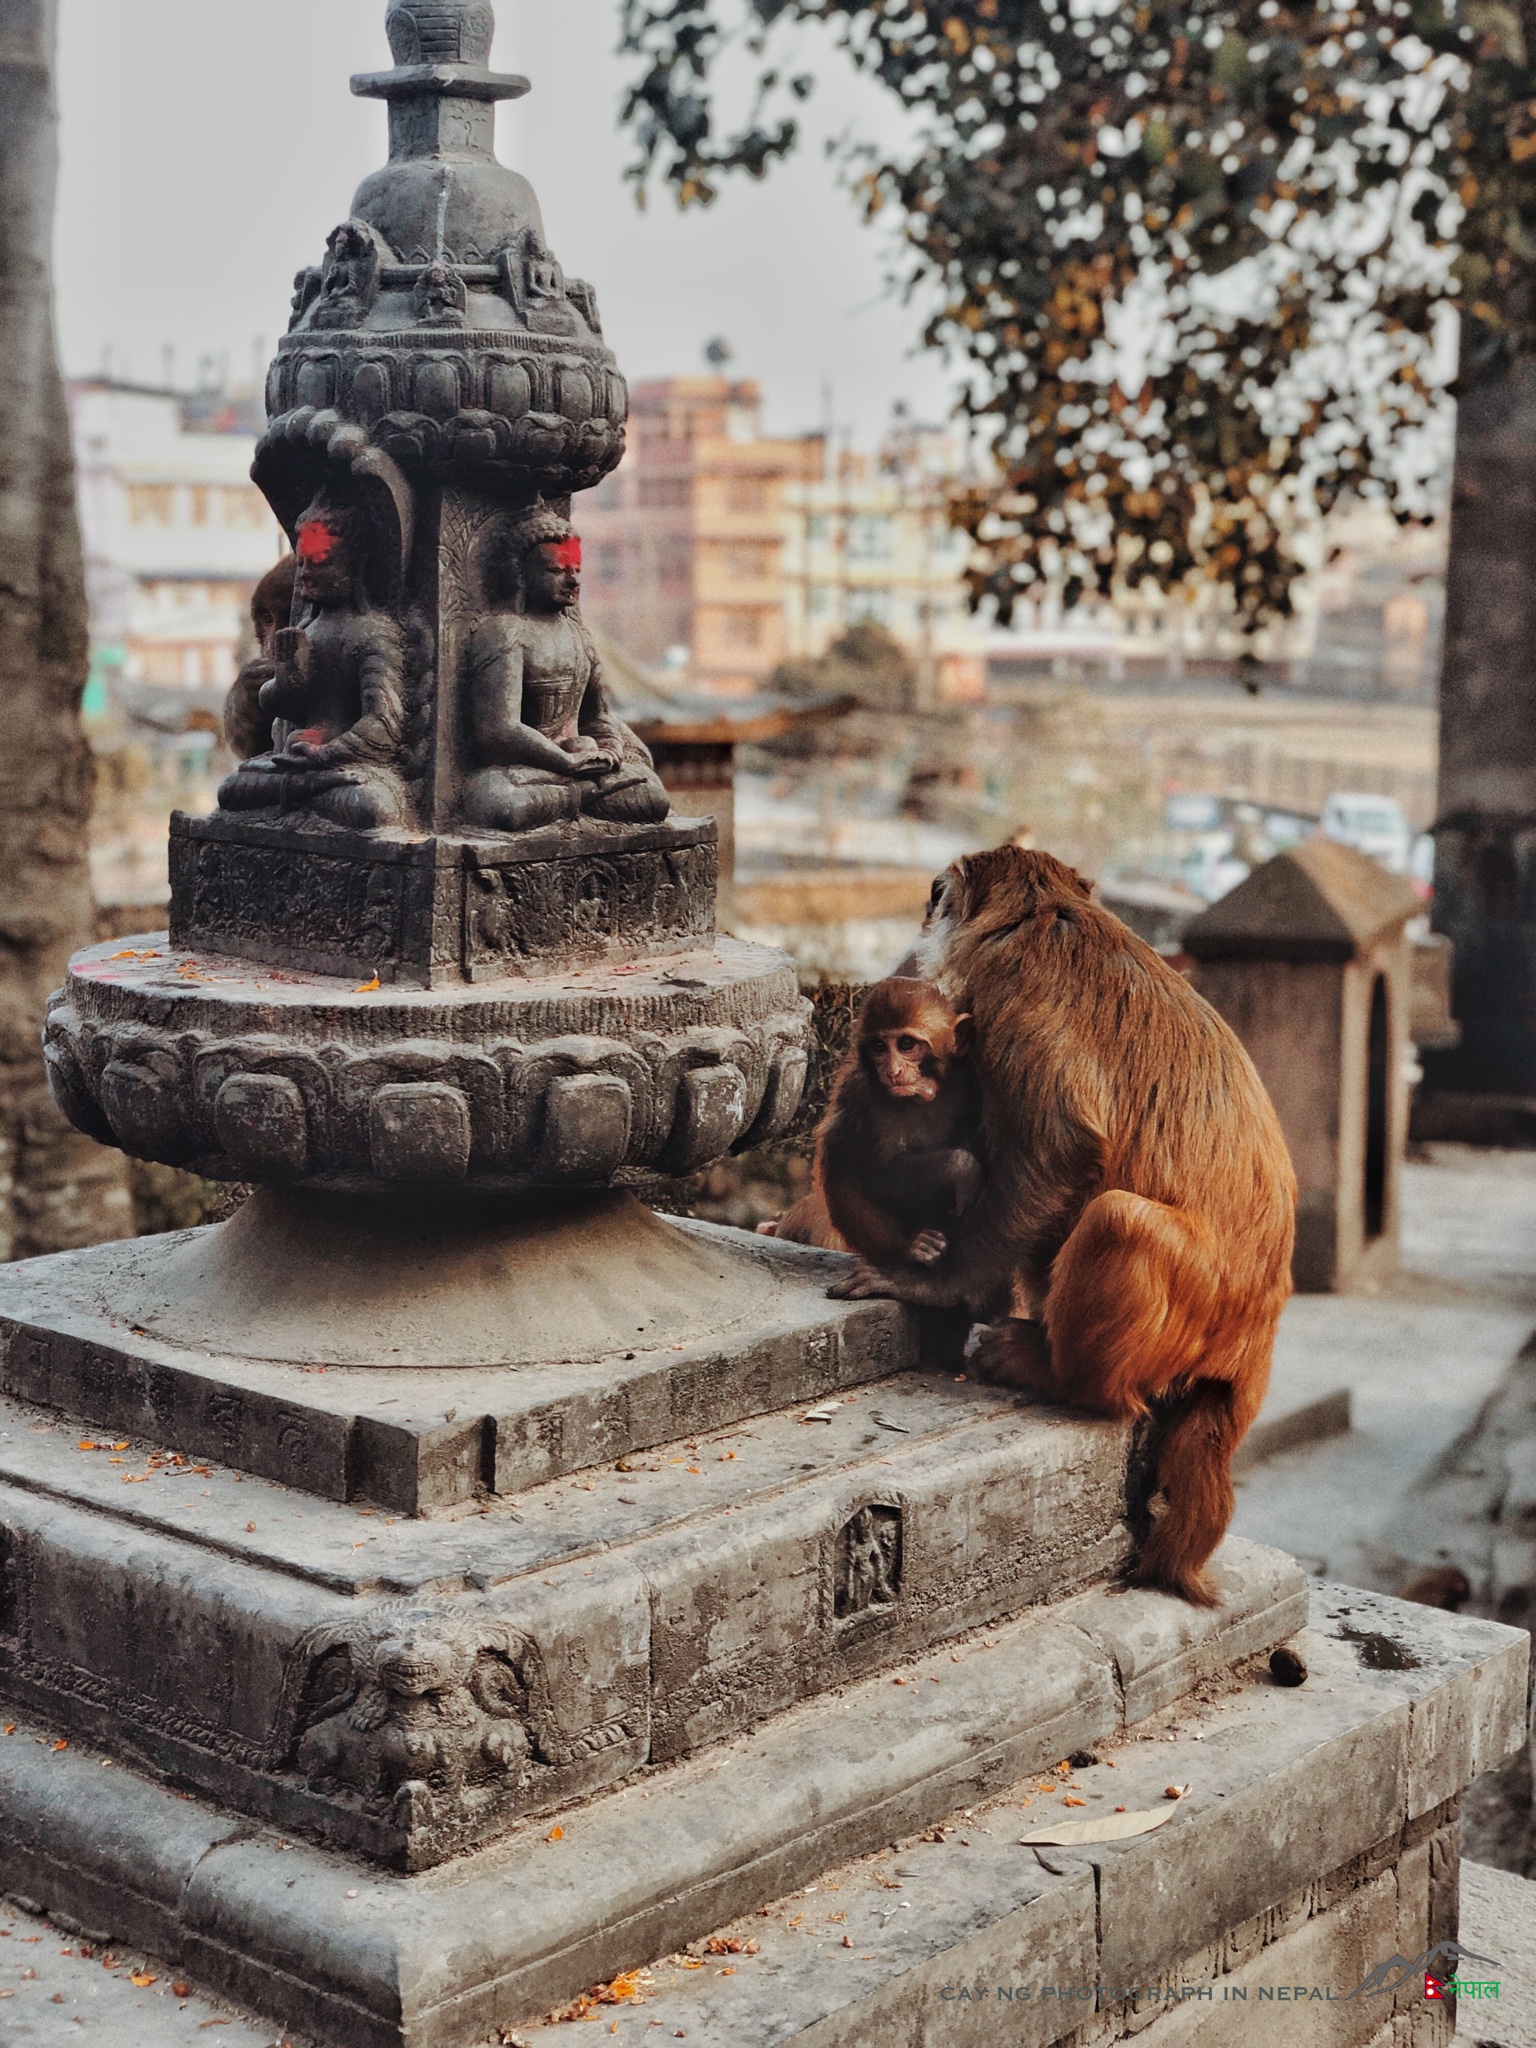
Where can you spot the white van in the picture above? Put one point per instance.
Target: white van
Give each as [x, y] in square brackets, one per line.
[1373, 824]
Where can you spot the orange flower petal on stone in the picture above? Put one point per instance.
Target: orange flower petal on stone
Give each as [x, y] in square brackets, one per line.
[555, 1835]
[367, 988]
[143, 1978]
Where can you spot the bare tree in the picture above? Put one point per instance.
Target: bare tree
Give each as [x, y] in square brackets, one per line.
[57, 1189]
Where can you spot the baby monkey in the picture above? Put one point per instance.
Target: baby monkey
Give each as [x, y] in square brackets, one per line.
[898, 1154]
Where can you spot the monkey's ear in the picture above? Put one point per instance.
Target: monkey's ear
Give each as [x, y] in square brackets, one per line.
[965, 1035]
[1081, 882]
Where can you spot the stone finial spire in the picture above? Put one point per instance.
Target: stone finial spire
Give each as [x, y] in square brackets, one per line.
[442, 92]
[441, 31]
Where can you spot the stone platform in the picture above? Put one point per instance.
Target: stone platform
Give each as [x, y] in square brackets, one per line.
[220, 1630]
[334, 1947]
[1318, 1838]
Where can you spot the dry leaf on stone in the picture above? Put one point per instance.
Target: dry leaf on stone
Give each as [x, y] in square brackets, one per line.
[1110, 1827]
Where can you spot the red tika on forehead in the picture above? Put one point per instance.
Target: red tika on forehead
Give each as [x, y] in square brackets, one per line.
[565, 554]
[317, 541]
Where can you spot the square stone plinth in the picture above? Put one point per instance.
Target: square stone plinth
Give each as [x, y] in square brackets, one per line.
[432, 910]
[412, 1439]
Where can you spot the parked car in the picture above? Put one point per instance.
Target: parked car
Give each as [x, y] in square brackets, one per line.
[1373, 824]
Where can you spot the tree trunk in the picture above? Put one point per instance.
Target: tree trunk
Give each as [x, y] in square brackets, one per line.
[1484, 1089]
[57, 1189]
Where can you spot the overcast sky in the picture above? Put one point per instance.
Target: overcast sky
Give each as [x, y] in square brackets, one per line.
[209, 146]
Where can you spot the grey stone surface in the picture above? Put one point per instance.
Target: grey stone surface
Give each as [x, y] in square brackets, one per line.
[59, 1989]
[558, 1642]
[1498, 1919]
[1273, 1874]
[700, 1050]
[440, 1959]
[622, 1329]
[429, 912]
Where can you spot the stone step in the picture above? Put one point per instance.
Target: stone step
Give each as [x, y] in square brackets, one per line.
[369, 1960]
[1316, 1840]
[723, 1325]
[230, 1633]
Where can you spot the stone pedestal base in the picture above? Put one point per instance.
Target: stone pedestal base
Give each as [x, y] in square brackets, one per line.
[430, 911]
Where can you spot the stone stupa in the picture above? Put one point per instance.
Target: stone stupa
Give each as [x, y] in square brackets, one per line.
[449, 1583]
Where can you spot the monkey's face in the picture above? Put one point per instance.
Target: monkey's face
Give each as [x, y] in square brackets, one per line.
[927, 958]
[908, 1064]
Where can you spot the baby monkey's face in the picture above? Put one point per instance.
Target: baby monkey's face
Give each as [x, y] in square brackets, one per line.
[907, 1064]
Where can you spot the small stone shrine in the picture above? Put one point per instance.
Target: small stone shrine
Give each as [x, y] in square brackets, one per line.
[449, 1583]
[1309, 962]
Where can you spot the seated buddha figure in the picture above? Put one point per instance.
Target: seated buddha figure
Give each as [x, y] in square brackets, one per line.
[543, 743]
[339, 682]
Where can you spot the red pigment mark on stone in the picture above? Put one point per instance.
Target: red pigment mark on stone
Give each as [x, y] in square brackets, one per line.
[312, 736]
[565, 554]
[317, 542]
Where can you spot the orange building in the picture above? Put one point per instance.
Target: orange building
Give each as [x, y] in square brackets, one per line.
[684, 543]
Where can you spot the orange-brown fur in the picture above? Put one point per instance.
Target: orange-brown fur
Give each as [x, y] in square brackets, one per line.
[895, 1161]
[1140, 1194]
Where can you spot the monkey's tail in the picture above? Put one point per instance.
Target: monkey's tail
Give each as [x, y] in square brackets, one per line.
[1194, 1469]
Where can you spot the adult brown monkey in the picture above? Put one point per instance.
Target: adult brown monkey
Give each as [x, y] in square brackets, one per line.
[1140, 1195]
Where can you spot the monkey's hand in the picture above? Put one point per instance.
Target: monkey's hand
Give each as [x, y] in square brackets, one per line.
[928, 1247]
[879, 1283]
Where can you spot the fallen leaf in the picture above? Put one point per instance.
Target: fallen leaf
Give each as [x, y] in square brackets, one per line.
[367, 988]
[10, 1727]
[555, 1835]
[122, 1446]
[179, 1990]
[143, 1979]
[692, 1963]
[1112, 1827]
[1069, 1801]
[86, 1445]
[60, 1745]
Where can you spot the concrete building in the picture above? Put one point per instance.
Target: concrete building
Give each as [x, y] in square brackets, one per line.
[868, 537]
[721, 551]
[176, 534]
[685, 543]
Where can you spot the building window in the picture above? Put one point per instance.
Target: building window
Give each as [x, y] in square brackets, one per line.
[819, 530]
[664, 493]
[151, 504]
[746, 494]
[245, 507]
[674, 560]
[608, 562]
[748, 565]
[743, 629]
[870, 604]
[821, 605]
[870, 539]
[199, 495]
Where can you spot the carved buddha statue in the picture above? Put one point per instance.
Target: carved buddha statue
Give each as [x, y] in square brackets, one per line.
[340, 681]
[544, 744]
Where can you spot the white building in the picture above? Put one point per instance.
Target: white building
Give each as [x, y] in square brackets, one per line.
[869, 538]
[176, 534]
